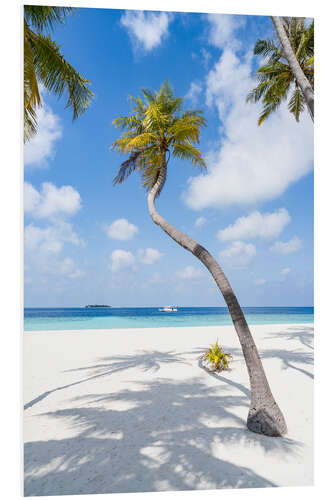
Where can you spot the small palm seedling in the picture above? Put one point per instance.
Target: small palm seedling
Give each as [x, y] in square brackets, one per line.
[216, 357]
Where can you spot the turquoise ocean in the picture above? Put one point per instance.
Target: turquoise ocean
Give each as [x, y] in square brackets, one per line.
[81, 318]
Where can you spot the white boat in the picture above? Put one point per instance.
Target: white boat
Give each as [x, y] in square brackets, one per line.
[169, 309]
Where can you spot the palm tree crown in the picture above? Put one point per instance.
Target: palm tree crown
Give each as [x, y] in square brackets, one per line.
[44, 64]
[155, 127]
[276, 80]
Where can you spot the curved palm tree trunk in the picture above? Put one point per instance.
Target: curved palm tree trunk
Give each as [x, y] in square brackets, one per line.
[297, 71]
[265, 417]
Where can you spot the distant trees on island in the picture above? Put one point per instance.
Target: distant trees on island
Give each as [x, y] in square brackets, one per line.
[97, 305]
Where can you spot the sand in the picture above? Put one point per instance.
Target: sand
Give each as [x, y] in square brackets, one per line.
[134, 410]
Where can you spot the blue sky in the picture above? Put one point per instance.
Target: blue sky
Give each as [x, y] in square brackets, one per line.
[89, 242]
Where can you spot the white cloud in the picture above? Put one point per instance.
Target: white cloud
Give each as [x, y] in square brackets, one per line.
[194, 92]
[203, 56]
[259, 281]
[66, 266]
[51, 201]
[31, 197]
[200, 221]
[285, 271]
[50, 239]
[252, 164]
[222, 28]
[189, 273]
[41, 147]
[147, 28]
[121, 229]
[149, 255]
[264, 226]
[43, 248]
[122, 259]
[287, 247]
[238, 254]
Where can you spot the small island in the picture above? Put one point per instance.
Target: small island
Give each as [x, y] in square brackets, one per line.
[97, 305]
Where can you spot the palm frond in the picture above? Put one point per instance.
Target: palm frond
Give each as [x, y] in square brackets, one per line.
[57, 75]
[267, 48]
[268, 109]
[30, 123]
[296, 103]
[190, 153]
[31, 91]
[186, 128]
[256, 94]
[127, 167]
[150, 175]
[148, 94]
[275, 76]
[138, 142]
[44, 17]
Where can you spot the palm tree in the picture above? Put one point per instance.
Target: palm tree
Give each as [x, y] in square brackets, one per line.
[44, 64]
[291, 56]
[157, 129]
[280, 78]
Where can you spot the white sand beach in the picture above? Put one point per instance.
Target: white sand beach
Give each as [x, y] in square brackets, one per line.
[134, 411]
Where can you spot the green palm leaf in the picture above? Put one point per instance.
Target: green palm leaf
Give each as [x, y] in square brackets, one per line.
[190, 153]
[297, 103]
[57, 75]
[44, 63]
[44, 17]
[275, 76]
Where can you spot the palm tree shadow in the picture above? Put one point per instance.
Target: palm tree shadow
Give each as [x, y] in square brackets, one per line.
[159, 444]
[290, 359]
[146, 360]
[304, 334]
[162, 439]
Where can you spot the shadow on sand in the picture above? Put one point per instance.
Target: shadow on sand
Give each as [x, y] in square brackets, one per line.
[291, 358]
[146, 360]
[154, 437]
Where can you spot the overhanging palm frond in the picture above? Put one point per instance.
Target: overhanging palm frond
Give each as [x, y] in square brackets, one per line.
[57, 75]
[44, 62]
[31, 91]
[44, 17]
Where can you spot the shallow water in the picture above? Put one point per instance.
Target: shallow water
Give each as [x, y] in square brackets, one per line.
[81, 318]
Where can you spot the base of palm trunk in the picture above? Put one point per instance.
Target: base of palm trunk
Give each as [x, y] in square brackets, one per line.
[268, 421]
